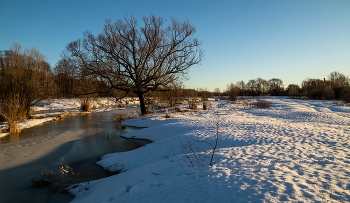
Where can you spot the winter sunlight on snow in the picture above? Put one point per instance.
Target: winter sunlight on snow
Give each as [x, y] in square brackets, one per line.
[296, 150]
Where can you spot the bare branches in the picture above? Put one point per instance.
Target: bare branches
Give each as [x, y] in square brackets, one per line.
[138, 58]
[25, 80]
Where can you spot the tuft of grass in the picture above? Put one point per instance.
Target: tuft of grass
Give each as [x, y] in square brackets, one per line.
[167, 114]
[63, 116]
[86, 106]
[59, 180]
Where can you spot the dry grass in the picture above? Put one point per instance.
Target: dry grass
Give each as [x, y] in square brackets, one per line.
[167, 114]
[63, 116]
[85, 106]
[60, 180]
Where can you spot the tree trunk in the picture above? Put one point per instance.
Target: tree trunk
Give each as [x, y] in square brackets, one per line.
[142, 103]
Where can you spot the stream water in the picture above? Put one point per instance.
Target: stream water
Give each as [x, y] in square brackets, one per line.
[78, 141]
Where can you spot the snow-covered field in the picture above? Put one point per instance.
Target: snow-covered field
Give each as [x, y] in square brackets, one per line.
[49, 109]
[295, 151]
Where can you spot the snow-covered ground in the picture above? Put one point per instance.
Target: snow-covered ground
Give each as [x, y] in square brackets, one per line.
[48, 109]
[296, 151]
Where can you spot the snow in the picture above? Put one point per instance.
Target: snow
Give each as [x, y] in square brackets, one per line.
[296, 150]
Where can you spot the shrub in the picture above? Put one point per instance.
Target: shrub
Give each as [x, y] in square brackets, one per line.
[260, 103]
[12, 112]
[245, 103]
[204, 105]
[85, 106]
[204, 97]
[192, 104]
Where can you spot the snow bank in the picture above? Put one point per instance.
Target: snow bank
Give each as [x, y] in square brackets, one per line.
[297, 150]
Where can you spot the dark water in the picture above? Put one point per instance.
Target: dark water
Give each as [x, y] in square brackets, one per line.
[101, 136]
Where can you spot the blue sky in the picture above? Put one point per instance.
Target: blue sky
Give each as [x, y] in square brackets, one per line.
[242, 40]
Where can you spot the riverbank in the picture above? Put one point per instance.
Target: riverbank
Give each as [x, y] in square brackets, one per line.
[51, 110]
[296, 150]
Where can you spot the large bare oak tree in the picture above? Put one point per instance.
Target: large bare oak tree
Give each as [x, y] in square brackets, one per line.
[138, 58]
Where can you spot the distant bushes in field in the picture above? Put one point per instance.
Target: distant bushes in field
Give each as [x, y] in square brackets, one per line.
[260, 103]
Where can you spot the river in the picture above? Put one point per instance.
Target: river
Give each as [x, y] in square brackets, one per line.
[77, 141]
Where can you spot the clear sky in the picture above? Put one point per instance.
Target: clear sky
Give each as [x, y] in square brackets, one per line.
[244, 39]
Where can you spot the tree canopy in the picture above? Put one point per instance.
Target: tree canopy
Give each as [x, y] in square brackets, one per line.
[137, 58]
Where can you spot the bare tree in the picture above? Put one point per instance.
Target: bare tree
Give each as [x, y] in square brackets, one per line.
[338, 79]
[276, 86]
[251, 85]
[242, 86]
[64, 76]
[293, 90]
[217, 91]
[262, 87]
[136, 58]
[25, 80]
[232, 91]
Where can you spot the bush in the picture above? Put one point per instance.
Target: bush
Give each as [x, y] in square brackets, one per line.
[192, 104]
[244, 102]
[85, 106]
[12, 112]
[260, 103]
[204, 105]
[204, 97]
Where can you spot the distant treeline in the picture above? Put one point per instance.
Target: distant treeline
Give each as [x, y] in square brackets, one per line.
[335, 86]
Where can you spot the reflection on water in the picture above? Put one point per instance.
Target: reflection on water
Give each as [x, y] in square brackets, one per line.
[14, 137]
[101, 136]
